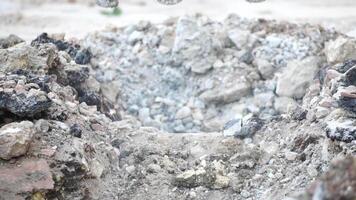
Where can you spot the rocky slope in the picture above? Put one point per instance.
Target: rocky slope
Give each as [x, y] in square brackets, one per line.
[264, 110]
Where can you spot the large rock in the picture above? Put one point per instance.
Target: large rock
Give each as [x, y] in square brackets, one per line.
[25, 57]
[15, 139]
[212, 177]
[30, 177]
[191, 178]
[265, 68]
[243, 128]
[297, 77]
[194, 47]
[79, 55]
[340, 50]
[227, 95]
[239, 38]
[22, 100]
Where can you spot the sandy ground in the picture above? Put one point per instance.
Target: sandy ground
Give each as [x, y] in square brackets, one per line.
[28, 18]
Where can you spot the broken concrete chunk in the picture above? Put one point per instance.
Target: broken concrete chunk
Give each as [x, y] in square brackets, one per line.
[15, 139]
[190, 178]
[183, 112]
[232, 127]
[227, 95]
[221, 182]
[193, 43]
[210, 178]
[239, 38]
[265, 68]
[341, 49]
[243, 128]
[297, 77]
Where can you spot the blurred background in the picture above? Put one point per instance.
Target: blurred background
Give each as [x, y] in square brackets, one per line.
[75, 18]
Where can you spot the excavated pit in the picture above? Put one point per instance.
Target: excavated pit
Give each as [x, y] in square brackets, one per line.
[197, 75]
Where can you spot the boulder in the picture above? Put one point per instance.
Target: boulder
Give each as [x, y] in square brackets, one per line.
[25, 57]
[227, 95]
[297, 77]
[31, 176]
[341, 49]
[15, 139]
[193, 43]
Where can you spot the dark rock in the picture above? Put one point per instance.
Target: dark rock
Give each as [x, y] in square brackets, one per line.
[344, 132]
[72, 166]
[348, 103]
[76, 76]
[344, 67]
[44, 38]
[90, 98]
[247, 58]
[107, 3]
[117, 143]
[243, 128]
[23, 105]
[41, 81]
[110, 110]
[250, 127]
[301, 142]
[350, 76]
[80, 56]
[76, 131]
[299, 113]
[10, 41]
[24, 95]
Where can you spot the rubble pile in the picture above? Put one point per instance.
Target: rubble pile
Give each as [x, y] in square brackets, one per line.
[193, 74]
[265, 110]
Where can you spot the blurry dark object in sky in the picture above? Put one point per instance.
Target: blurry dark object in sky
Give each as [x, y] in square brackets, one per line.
[172, 2]
[107, 3]
[169, 2]
[255, 1]
[115, 3]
